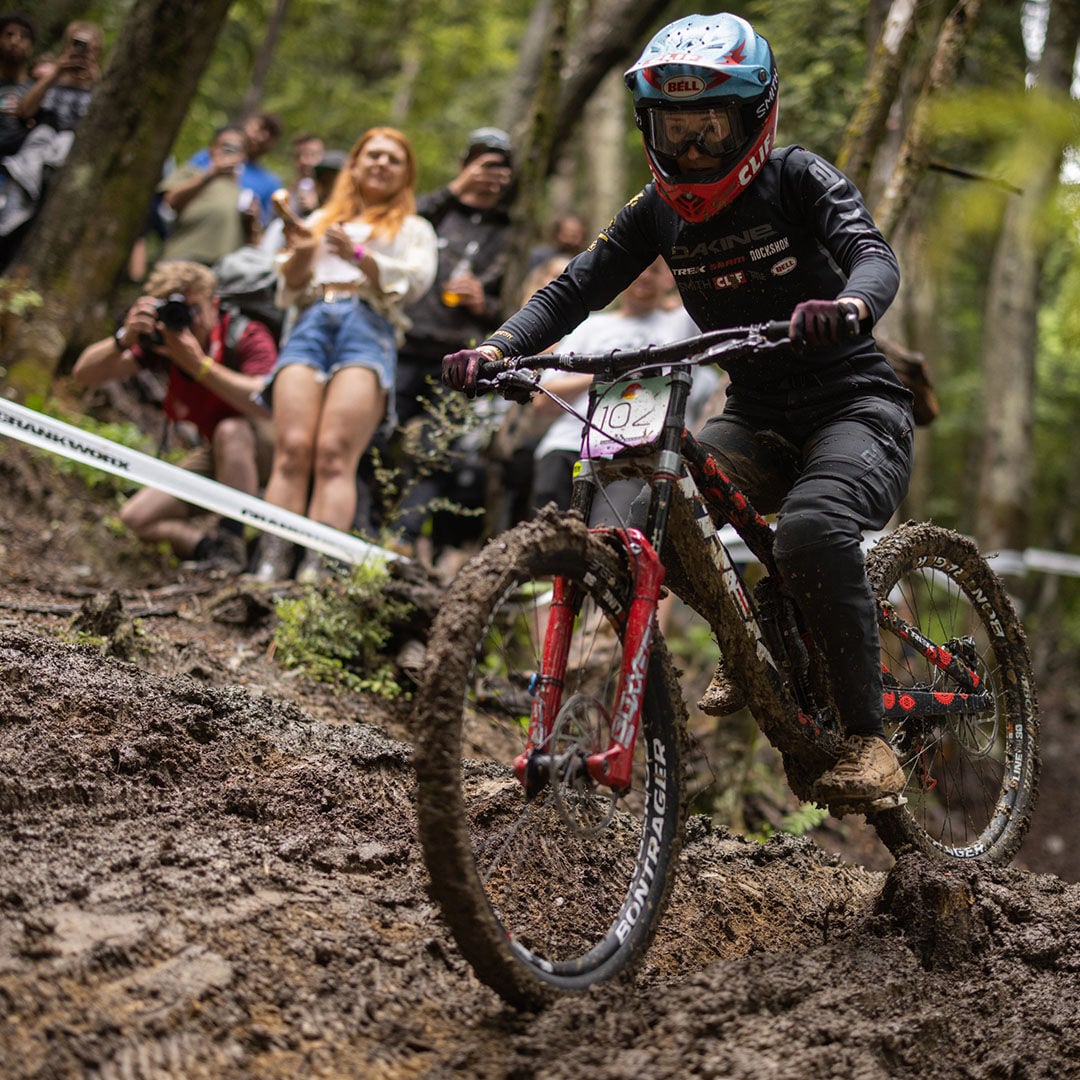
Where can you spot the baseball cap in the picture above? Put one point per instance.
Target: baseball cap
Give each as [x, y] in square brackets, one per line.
[487, 140]
[331, 161]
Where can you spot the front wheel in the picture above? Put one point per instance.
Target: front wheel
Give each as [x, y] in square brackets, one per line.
[565, 888]
[971, 774]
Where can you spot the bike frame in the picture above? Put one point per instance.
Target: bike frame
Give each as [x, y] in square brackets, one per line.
[681, 468]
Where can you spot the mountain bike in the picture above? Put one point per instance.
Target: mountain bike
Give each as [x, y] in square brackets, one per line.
[551, 729]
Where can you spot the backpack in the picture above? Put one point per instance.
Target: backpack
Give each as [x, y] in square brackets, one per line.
[247, 286]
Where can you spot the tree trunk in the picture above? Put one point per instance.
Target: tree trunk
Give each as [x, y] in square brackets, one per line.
[866, 129]
[98, 202]
[1010, 327]
[263, 59]
[605, 153]
[915, 151]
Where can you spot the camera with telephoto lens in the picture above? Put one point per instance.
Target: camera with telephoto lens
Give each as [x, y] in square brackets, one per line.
[175, 312]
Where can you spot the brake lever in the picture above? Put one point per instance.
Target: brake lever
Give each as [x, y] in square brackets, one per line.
[513, 385]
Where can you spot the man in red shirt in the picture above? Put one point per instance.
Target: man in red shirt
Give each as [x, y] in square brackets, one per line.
[217, 362]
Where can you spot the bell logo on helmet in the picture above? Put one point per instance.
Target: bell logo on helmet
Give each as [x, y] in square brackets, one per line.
[683, 86]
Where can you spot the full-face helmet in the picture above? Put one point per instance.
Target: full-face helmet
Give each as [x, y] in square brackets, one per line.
[706, 81]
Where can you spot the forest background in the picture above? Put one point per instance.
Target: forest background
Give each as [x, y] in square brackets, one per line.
[959, 121]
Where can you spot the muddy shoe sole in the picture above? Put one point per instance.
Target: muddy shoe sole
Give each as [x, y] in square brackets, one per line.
[865, 806]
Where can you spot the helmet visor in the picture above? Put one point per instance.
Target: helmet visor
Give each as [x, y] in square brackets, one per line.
[716, 130]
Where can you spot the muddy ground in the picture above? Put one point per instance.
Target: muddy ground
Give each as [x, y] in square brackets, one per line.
[208, 868]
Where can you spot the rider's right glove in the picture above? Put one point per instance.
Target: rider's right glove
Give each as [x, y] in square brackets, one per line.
[821, 323]
[460, 370]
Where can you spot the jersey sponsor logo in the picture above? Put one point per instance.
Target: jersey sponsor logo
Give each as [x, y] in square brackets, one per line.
[784, 266]
[729, 281]
[682, 86]
[756, 234]
[767, 250]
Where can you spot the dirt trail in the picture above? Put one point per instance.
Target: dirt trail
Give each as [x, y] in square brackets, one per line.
[208, 868]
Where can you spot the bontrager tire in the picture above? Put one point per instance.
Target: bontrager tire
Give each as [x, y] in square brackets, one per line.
[971, 781]
[564, 890]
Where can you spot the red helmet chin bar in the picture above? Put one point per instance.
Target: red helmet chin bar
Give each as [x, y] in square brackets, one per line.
[699, 202]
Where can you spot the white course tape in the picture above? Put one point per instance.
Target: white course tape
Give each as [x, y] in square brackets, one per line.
[44, 432]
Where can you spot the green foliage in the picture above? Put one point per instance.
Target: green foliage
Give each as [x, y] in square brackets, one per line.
[798, 823]
[123, 433]
[432, 70]
[336, 632]
[16, 299]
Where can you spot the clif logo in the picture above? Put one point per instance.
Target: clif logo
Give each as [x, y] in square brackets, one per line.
[683, 86]
[729, 281]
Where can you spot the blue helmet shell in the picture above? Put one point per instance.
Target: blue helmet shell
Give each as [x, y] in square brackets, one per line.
[700, 61]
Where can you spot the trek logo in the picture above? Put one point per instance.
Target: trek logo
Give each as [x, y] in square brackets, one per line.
[683, 86]
[753, 166]
[729, 281]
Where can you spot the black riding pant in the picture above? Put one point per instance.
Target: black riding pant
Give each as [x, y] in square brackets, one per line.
[828, 472]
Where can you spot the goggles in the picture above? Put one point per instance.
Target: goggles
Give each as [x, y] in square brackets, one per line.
[715, 130]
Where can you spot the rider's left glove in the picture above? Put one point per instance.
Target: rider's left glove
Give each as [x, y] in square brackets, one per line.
[821, 323]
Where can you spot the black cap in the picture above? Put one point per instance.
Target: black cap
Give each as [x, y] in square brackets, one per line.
[487, 140]
[331, 161]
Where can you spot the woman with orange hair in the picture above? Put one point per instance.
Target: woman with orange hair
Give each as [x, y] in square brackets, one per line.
[356, 262]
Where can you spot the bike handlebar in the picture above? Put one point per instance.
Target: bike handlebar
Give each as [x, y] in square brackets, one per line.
[516, 377]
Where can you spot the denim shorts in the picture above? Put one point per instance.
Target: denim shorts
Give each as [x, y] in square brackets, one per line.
[335, 334]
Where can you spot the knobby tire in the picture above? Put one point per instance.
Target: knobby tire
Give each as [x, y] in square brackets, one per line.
[971, 780]
[565, 890]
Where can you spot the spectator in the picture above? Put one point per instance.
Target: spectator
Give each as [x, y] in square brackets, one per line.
[261, 133]
[52, 109]
[359, 260]
[207, 203]
[639, 320]
[216, 364]
[307, 152]
[16, 46]
[569, 235]
[323, 175]
[472, 223]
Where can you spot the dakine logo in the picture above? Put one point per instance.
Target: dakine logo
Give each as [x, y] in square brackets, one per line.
[683, 86]
[784, 266]
[729, 281]
[756, 234]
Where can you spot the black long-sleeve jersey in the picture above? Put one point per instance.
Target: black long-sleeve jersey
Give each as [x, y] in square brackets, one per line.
[800, 231]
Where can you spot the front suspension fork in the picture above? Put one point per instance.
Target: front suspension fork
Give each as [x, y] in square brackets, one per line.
[611, 766]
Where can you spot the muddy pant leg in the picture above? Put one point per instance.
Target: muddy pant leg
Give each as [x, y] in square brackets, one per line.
[855, 472]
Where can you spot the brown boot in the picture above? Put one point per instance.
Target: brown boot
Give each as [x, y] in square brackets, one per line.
[722, 697]
[866, 772]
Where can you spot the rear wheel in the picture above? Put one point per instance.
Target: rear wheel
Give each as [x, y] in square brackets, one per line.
[566, 888]
[971, 777]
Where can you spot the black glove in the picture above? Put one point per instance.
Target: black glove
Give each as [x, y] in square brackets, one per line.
[824, 322]
[460, 370]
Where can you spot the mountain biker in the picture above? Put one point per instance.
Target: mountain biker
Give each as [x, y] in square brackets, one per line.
[819, 431]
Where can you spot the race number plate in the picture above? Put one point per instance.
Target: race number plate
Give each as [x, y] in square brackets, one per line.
[629, 413]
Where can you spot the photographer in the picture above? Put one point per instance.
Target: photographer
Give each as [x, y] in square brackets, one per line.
[51, 110]
[209, 202]
[216, 363]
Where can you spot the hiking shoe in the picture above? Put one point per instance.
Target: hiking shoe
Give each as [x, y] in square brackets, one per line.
[274, 558]
[222, 551]
[722, 697]
[867, 771]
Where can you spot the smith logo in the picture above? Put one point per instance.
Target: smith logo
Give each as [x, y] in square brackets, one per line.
[683, 86]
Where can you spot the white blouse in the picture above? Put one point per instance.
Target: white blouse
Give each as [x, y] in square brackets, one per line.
[407, 262]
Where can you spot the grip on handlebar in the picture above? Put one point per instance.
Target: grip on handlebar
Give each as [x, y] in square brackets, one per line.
[777, 330]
